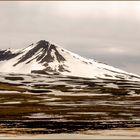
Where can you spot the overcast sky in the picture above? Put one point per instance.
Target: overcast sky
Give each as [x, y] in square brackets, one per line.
[106, 31]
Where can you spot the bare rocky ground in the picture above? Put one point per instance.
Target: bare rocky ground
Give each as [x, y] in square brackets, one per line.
[39, 105]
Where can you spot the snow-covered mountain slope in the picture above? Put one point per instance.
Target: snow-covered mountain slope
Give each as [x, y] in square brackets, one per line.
[46, 58]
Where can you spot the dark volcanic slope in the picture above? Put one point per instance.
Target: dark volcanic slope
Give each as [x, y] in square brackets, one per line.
[7, 55]
[45, 49]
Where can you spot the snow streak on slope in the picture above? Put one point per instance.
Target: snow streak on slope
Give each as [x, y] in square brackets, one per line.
[8, 65]
[47, 58]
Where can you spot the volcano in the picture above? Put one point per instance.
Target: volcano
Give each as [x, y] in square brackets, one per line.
[46, 58]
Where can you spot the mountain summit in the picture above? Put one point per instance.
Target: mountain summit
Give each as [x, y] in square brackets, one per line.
[46, 58]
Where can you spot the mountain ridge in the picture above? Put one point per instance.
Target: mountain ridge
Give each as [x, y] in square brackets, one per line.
[46, 58]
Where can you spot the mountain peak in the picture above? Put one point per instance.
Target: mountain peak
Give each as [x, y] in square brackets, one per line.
[42, 52]
[43, 44]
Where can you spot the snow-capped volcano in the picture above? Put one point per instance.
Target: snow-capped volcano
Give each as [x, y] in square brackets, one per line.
[46, 58]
